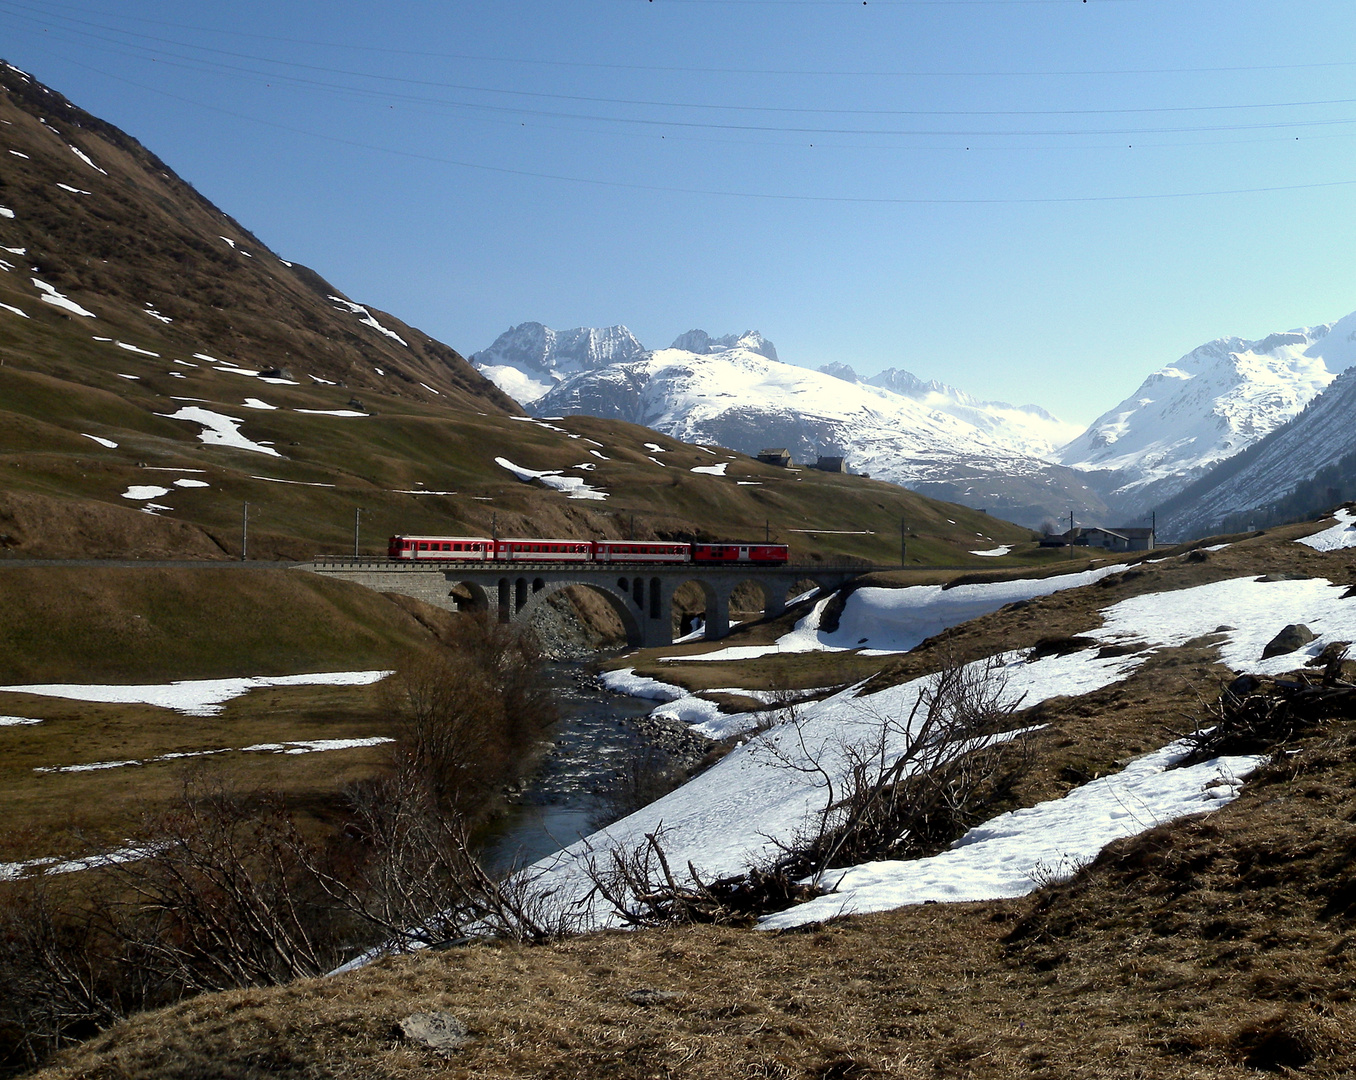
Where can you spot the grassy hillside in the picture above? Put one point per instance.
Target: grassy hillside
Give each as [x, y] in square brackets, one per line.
[80, 624]
[1216, 946]
[84, 625]
[127, 299]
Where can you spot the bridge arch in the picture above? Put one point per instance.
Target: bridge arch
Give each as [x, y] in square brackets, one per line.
[468, 596]
[619, 601]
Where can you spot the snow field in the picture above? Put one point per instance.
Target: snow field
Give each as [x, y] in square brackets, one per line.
[733, 815]
[141, 492]
[573, 486]
[192, 697]
[1341, 535]
[880, 621]
[304, 746]
[49, 295]
[366, 318]
[12, 871]
[219, 429]
[1018, 852]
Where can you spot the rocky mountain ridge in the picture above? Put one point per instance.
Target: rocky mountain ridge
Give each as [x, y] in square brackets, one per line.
[1301, 467]
[1203, 409]
[734, 391]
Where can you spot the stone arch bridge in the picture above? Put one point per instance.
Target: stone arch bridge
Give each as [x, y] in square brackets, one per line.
[641, 595]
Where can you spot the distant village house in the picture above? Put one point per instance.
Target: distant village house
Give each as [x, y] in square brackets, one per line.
[1123, 538]
[779, 456]
[831, 464]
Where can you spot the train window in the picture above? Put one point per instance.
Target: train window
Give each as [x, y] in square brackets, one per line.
[423, 545]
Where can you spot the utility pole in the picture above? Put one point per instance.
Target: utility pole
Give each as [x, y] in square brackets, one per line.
[357, 517]
[245, 532]
[903, 541]
[494, 526]
[1071, 534]
[767, 530]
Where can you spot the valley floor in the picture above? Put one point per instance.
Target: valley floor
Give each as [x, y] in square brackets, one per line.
[1211, 948]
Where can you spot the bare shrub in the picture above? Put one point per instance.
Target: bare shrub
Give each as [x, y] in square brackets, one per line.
[467, 712]
[60, 975]
[1258, 714]
[418, 881]
[902, 787]
[914, 783]
[224, 897]
[640, 888]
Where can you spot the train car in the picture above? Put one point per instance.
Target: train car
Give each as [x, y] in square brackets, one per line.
[452, 548]
[534, 549]
[640, 551]
[741, 552]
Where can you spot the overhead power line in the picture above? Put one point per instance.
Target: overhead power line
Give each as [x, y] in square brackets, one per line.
[195, 63]
[47, 8]
[731, 194]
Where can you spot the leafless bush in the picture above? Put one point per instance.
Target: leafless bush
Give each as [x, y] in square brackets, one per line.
[913, 783]
[640, 888]
[1257, 714]
[61, 979]
[901, 787]
[468, 711]
[225, 897]
[419, 881]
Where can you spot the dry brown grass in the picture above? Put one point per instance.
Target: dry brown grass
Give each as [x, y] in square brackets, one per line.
[1211, 948]
[73, 813]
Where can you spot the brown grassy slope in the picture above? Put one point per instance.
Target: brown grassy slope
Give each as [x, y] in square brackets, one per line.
[1211, 947]
[1207, 949]
[86, 625]
[136, 236]
[147, 625]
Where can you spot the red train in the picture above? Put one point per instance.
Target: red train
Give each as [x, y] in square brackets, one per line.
[532, 549]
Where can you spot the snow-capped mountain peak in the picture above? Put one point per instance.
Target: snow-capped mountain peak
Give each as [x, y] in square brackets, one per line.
[733, 391]
[528, 360]
[1213, 402]
[703, 344]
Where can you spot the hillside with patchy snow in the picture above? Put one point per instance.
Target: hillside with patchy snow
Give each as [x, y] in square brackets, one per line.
[1203, 409]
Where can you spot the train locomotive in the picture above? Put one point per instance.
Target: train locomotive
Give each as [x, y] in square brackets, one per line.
[483, 549]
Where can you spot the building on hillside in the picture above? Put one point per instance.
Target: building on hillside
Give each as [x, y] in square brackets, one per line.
[779, 456]
[831, 464]
[1125, 538]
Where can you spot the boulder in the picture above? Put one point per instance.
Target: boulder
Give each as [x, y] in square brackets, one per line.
[438, 1031]
[1294, 636]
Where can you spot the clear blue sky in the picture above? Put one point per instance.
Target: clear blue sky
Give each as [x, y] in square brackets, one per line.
[973, 191]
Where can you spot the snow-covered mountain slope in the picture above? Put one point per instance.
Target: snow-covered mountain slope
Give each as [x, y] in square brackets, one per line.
[527, 361]
[1027, 428]
[1208, 406]
[1274, 467]
[735, 395]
